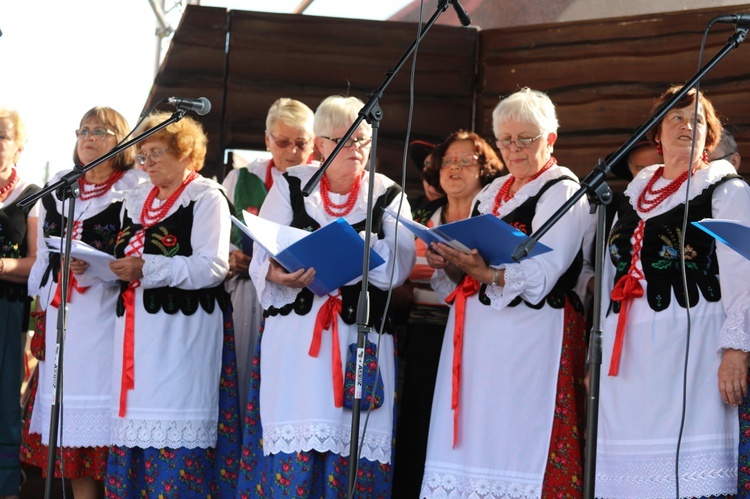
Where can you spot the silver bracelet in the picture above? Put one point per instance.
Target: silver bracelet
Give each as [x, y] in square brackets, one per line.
[495, 277]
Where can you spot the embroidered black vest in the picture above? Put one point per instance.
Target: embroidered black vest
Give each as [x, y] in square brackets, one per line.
[521, 219]
[99, 231]
[660, 255]
[349, 294]
[170, 237]
[13, 242]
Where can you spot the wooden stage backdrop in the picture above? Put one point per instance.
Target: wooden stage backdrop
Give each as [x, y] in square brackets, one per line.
[602, 75]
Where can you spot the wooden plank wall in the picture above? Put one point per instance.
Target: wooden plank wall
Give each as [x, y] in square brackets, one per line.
[604, 75]
[310, 58]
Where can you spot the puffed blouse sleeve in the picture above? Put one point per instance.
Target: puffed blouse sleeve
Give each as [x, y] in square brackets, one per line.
[731, 200]
[207, 266]
[396, 248]
[276, 208]
[42, 253]
[532, 279]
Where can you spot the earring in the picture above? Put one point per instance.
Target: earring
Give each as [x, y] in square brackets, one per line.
[705, 156]
[659, 149]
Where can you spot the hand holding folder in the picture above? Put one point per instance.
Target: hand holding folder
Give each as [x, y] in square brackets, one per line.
[334, 251]
[494, 239]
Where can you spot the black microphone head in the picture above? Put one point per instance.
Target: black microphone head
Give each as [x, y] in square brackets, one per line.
[463, 16]
[738, 19]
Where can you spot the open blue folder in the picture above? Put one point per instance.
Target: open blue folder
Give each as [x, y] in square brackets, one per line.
[494, 239]
[730, 232]
[334, 251]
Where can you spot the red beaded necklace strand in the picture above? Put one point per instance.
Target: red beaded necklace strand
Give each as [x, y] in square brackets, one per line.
[650, 198]
[504, 195]
[90, 190]
[149, 215]
[11, 182]
[339, 210]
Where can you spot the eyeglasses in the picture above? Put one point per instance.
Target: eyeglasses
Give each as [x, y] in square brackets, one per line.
[284, 143]
[725, 156]
[521, 143]
[460, 162]
[154, 156]
[361, 142]
[97, 133]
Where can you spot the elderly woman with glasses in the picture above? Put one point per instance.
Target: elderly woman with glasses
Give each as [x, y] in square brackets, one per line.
[88, 345]
[289, 137]
[462, 165]
[506, 417]
[298, 425]
[175, 428]
[17, 253]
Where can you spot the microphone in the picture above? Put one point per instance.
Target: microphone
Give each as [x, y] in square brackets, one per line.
[463, 16]
[738, 19]
[200, 105]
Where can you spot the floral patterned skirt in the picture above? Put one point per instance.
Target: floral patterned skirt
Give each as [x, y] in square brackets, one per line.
[743, 468]
[563, 476]
[70, 462]
[303, 474]
[186, 473]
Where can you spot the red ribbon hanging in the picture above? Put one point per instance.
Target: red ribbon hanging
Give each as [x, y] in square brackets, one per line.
[466, 288]
[627, 288]
[328, 318]
[127, 379]
[72, 284]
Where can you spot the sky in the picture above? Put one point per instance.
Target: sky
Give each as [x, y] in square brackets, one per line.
[60, 58]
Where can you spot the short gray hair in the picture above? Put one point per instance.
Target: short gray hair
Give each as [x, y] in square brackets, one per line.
[292, 113]
[526, 106]
[335, 112]
[726, 146]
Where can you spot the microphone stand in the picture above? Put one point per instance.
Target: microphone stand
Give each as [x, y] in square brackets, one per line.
[373, 114]
[67, 189]
[595, 186]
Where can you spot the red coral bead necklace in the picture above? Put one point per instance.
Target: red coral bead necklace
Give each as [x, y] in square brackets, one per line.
[504, 195]
[90, 190]
[343, 209]
[650, 198]
[11, 183]
[150, 215]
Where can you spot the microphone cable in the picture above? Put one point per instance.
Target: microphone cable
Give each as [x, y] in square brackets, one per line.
[683, 268]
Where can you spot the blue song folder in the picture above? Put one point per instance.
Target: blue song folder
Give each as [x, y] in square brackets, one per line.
[730, 232]
[334, 251]
[494, 239]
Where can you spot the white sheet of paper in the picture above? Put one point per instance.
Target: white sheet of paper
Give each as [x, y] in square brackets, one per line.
[98, 260]
[273, 237]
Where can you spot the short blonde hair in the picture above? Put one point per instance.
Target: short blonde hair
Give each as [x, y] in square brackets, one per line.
[19, 126]
[118, 124]
[185, 138]
[335, 112]
[292, 113]
[526, 106]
